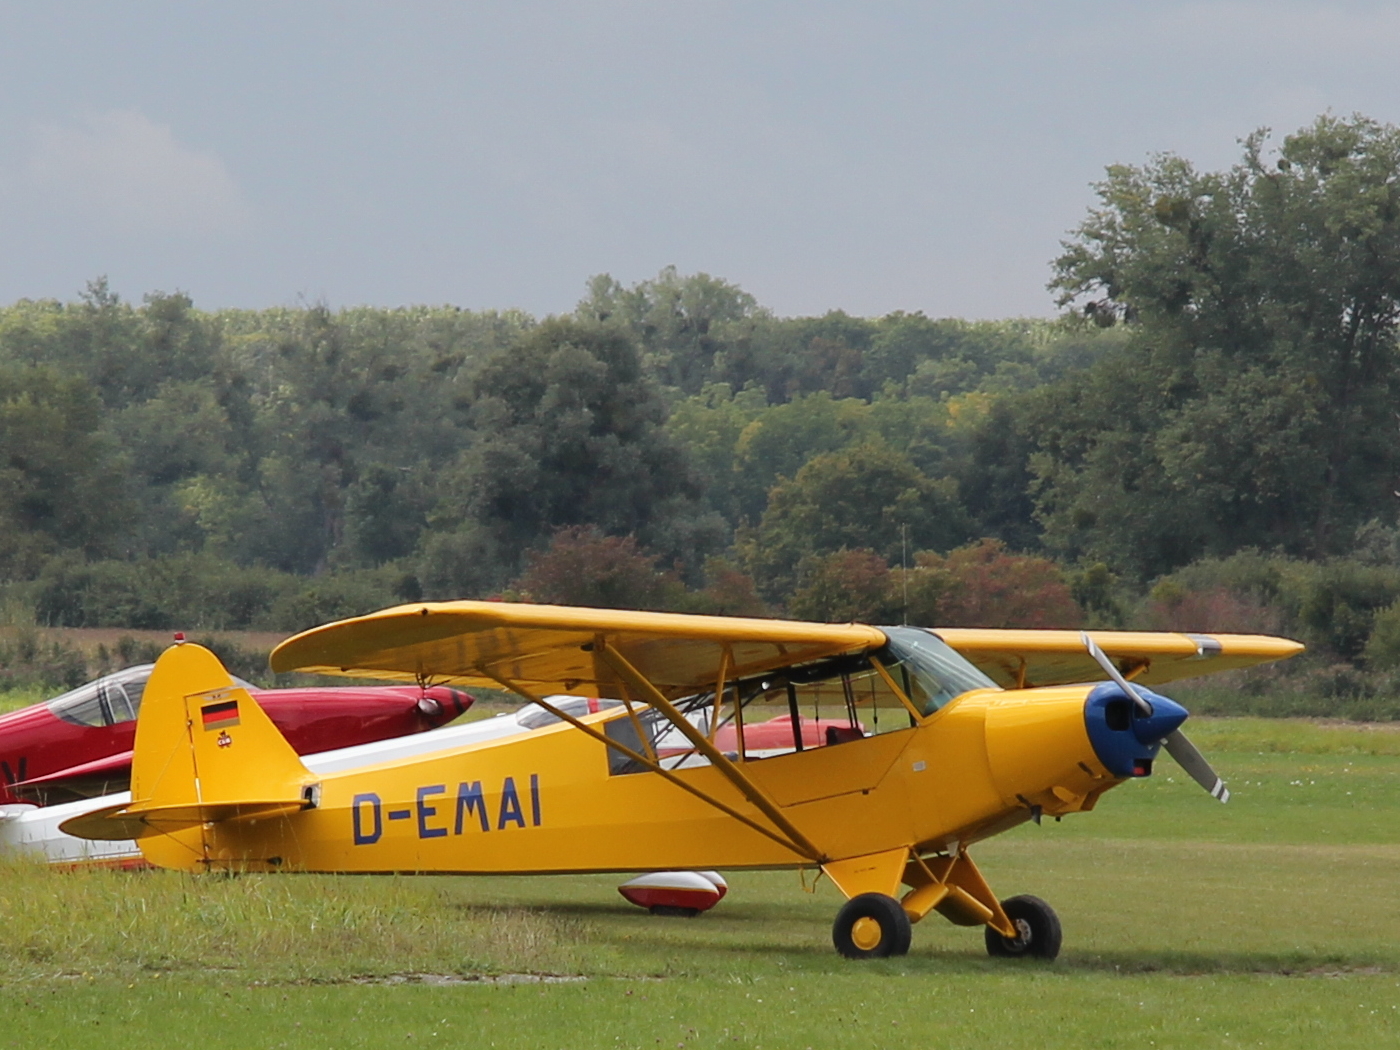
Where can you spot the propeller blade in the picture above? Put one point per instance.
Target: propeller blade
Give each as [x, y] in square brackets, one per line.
[1181, 749]
[1113, 673]
[1195, 764]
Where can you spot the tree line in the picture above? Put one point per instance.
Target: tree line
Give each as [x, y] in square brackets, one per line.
[1220, 385]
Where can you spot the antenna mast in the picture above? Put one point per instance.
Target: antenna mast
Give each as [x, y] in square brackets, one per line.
[904, 568]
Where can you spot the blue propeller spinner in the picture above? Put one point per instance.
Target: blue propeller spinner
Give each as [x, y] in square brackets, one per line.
[1127, 725]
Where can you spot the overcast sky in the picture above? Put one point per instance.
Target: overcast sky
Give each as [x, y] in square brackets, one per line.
[859, 155]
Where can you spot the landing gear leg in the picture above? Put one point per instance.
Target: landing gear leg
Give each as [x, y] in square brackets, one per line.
[872, 926]
[1037, 930]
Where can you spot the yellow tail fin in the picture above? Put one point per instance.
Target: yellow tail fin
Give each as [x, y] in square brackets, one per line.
[205, 752]
[201, 739]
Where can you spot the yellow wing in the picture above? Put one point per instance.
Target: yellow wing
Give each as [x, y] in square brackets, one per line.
[1030, 658]
[549, 648]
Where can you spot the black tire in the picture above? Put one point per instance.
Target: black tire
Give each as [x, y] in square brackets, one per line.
[891, 928]
[674, 911]
[1040, 930]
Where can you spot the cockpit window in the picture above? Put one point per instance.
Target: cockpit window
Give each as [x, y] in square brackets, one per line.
[930, 671]
[827, 702]
[111, 699]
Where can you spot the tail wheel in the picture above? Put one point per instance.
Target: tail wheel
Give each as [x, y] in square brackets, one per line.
[872, 926]
[1038, 930]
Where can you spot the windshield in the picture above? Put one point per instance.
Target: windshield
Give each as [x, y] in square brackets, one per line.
[110, 699]
[930, 671]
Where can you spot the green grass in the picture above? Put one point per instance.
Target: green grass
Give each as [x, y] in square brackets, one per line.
[14, 699]
[1296, 736]
[1273, 921]
[1025, 1009]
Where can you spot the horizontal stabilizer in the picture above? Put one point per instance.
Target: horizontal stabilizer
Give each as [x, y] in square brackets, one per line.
[136, 822]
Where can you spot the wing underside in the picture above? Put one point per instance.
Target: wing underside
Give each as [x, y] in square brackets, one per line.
[553, 649]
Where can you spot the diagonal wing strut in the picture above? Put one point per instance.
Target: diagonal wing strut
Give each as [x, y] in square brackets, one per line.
[747, 787]
[798, 846]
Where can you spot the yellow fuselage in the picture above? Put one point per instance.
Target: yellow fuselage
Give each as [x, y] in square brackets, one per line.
[545, 800]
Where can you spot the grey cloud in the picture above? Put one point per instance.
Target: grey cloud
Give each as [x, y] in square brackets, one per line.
[131, 173]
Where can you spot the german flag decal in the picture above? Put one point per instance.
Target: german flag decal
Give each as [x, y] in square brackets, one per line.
[220, 715]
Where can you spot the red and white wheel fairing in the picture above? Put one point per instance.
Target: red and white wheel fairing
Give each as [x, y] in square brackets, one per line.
[675, 892]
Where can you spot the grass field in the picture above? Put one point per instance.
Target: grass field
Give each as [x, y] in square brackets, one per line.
[1274, 921]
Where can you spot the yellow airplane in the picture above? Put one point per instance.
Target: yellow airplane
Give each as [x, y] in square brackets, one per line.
[930, 755]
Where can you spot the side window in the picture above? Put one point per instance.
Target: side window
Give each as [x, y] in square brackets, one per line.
[668, 743]
[832, 709]
[864, 694]
[625, 733]
[800, 708]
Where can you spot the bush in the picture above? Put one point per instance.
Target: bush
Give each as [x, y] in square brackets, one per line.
[843, 587]
[27, 662]
[245, 663]
[338, 597]
[985, 585]
[183, 591]
[1337, 602]
[1294, 689]
[462, 564]
[73, 593]
[1383, 646]
[199, 592]
[1172, 608]
[1331, 606]
[728, 591]
[584, 567]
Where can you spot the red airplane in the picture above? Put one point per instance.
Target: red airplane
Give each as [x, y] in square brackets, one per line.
[78, 745]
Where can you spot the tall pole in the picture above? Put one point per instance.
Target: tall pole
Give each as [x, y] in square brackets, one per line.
[904, 568]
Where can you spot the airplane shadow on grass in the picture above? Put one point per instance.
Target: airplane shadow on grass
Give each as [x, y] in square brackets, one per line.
[791, 934]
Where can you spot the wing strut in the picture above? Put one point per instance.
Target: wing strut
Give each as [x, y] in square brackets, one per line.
[747, 787]
[721, 683]
[799, 846]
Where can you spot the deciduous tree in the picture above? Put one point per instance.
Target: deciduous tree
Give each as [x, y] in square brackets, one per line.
[868, 497]
[582, 566]
[1255, 400]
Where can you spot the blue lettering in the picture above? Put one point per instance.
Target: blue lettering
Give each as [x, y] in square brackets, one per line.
[510, 806]
[535, 798]
[424, 812]
[361, 837]
[400, 814]
[469, 799]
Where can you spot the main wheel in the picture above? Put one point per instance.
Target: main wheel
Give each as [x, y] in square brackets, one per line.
[1038, 929]
[872, 926]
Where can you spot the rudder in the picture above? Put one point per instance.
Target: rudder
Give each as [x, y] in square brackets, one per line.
[231, 750]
